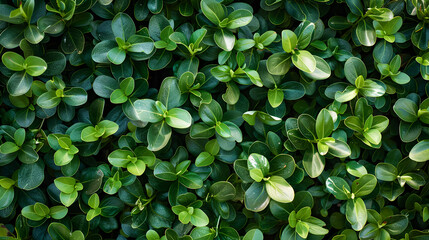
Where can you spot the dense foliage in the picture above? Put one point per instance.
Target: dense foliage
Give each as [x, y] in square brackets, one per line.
[206, 119]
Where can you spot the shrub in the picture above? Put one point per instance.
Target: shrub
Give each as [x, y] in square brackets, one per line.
[207, 119]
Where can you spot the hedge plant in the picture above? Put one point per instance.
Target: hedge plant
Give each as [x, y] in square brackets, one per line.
[214, 120]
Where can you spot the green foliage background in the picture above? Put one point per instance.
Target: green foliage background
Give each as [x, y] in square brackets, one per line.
[206, 119]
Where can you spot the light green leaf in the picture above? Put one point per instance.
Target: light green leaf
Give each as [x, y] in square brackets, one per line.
[338, 187]
[239, 18]
[289, 41]
[420, 152]
[13, 61]
[279, 189]
[224, 39]
[304, 60]
[178, 118]
[35, 66]
[356, 213]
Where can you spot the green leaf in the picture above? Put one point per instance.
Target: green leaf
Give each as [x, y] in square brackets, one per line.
[313, 162]
[401, 78]
[380, 14]
[13, 61]
[256, 197]
[338, 187]
[279, 189]
[222, 73]
[118, 97]
[239, 18]
[78, 235]
[356, 213]
[356, 169]
[406, 110]
[222, 191]
[191, 180]
[35, 66]
[169, 93]
[120, 158]
[201, 131]
[254, 234]
[302, 11]
[354, 123]
[213, 10]
[147, 111]
[27, 154]
[324, 124]
[386, 172]
[338, 148]
[355, 6]
[109, 127]
[279, 63]
[366, 33]
[152, 235]
[19, 136]
[304, 60]
[19, 83]
[88, 134]
[224, 39]
[48, 100]
[353, 68]
[73, 40]
[123, 26]
[75, 96]
[305, 32]
[289, 233]
[68, 198]
[136, 168]
[307, 126]
[41, 209]
[65, 184]
[165, 171]
[51, 24]
[372, 89]
[232, 94]
[364, 185]
[29, 213]
[223, 130]
[178, 118]
[322, 71]
[204, 159]
[348, 94]
[211, 113]
[420, 152]
[58, 212]
[33, 34]
[267, 38]
[63, 157]
[30, 176]
[275, 97]
[92, 213]
[158, 136]
[370, 231]
[58, 231]
[140, 44]
[289, 41]
[302, 229]
[6, 197]
[373, 136]
[257, 161]
[8, 148]
[116, 55]
[99, 52]
[396, 224]
[199, 218]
